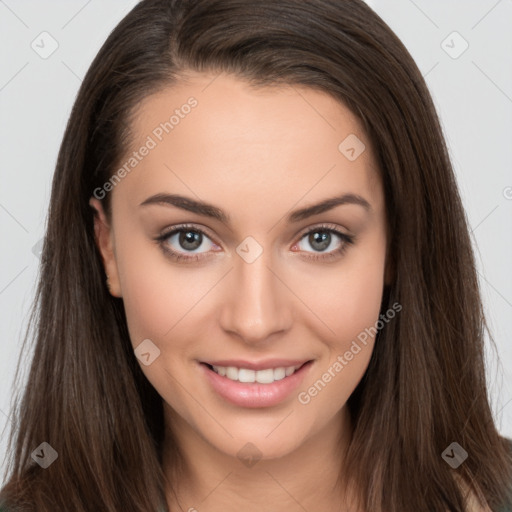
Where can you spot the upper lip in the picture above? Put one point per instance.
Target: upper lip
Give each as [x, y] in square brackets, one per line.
[258, 365]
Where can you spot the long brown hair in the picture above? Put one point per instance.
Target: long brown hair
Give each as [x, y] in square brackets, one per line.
[425, 385]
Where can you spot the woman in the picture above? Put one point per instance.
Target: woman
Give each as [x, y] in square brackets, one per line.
[254, 239]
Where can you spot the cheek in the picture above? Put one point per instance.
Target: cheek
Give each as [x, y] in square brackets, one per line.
[347, 298]
[348, 350]
[162, 304]
[348, 302]
[159, 296]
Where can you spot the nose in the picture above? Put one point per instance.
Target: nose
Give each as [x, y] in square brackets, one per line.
[257, 302]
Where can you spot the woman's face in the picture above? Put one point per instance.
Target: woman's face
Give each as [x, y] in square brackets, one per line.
[258, 283]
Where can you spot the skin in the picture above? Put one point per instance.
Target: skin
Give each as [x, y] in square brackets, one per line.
[257, 154]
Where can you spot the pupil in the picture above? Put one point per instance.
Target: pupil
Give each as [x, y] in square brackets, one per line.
[323, 240]
[190, 240]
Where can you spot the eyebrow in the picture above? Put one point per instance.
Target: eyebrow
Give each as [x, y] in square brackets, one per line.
[209, 210]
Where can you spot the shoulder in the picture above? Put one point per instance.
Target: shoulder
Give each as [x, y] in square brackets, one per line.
[507, 507]
[475, 500]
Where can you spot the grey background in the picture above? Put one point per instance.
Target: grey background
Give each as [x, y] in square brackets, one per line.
[472, 92]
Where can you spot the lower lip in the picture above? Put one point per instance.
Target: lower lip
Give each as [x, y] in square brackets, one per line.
[254, 394]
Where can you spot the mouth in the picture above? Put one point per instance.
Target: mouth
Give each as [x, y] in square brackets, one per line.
[255, 384]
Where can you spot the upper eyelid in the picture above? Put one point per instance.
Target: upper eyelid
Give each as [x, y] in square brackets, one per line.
[183, 227]
[323, 225]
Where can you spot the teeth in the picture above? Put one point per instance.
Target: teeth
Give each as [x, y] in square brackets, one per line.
[266, 376]
[232, 373]
[246, 375]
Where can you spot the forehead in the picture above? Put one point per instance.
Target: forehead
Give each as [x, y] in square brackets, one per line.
[216, 134]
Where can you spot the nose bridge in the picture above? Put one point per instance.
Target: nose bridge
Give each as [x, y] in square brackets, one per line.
[255, 306]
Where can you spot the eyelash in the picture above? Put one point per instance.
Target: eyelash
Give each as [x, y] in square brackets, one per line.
[346, 241]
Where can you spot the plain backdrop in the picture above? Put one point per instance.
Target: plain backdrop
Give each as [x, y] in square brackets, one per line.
[462, 47]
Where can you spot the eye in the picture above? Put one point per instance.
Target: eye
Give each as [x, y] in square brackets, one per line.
[325, 237]
[184, 243]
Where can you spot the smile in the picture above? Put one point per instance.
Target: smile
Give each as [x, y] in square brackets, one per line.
[264, 385]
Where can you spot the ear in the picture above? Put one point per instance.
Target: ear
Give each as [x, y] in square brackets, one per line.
[104, 236]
